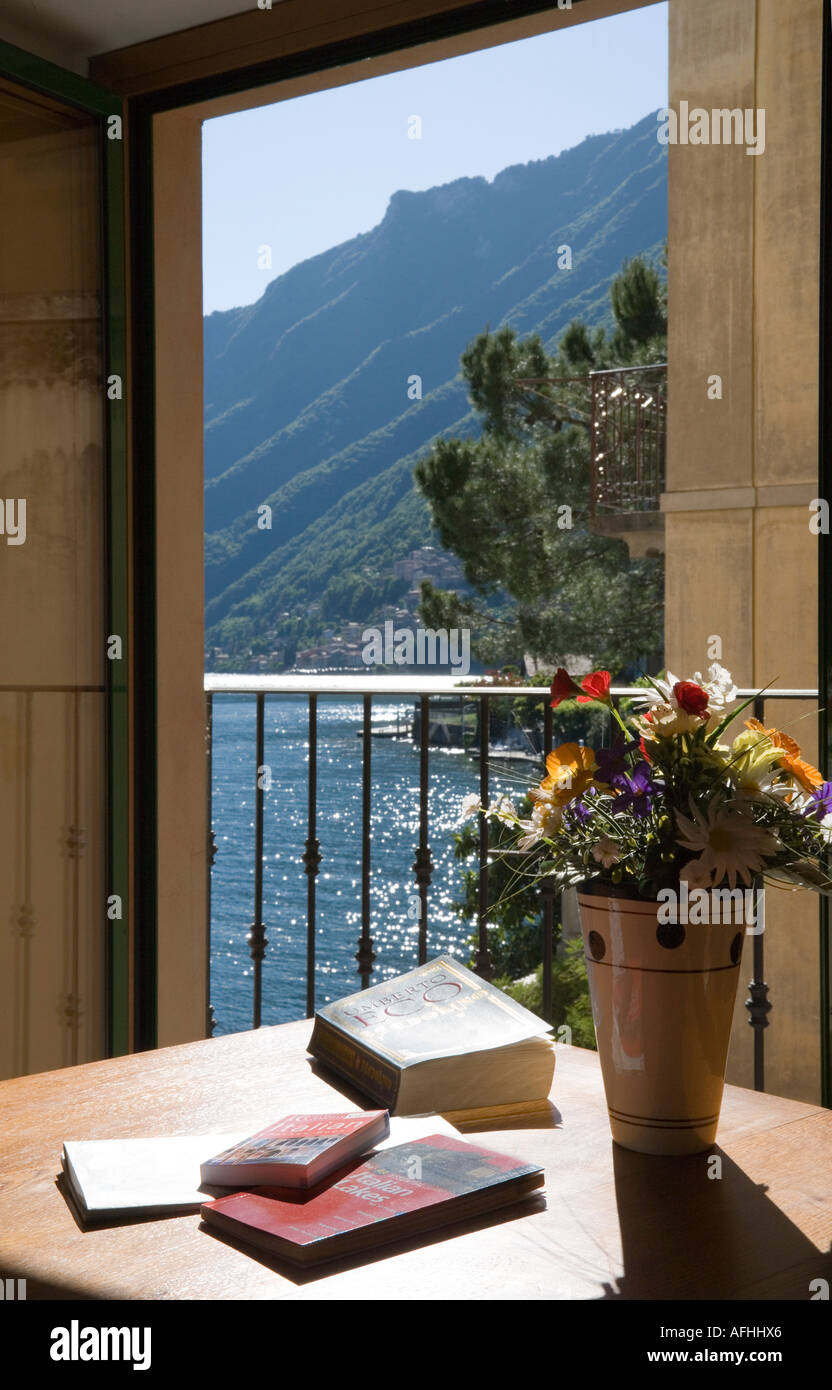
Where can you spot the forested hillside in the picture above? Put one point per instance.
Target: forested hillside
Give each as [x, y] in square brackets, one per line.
[321, 396]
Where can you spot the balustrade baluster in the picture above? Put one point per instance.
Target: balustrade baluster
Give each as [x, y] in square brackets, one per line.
[547, 892]
[311, 854]
[365, 955]
[484, 963]
[758, 1003]
[423, 866]
[210, 856]
[256, 938]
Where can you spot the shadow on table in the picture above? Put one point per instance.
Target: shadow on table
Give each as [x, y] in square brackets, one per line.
[687, 1235]
[544, 1119]
[52, 1290]
[536, 1202]
[131, 1216]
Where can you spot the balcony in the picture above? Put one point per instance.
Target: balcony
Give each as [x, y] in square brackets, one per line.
[311, 852]
[629, 435]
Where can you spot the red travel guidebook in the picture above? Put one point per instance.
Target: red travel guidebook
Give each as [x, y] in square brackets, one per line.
[297, 1151]
[393, 1194]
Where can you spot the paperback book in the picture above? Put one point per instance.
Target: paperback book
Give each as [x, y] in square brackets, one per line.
[438, 1039]
[396, 1193]
[297, 1151]
[118, 1179]
[112, 1178]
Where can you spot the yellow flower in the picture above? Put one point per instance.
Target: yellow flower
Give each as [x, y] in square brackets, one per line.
[570, 769]
[753, 756]
[790, 760]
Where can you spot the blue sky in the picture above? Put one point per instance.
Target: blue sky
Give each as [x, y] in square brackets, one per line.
[307, 174]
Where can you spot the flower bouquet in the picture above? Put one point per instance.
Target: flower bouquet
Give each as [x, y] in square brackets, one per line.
[669, 834]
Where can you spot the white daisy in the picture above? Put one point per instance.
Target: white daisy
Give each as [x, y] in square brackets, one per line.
[729, 843]
[503, 809]
[544, 822]
[470, 805]
[659, 693]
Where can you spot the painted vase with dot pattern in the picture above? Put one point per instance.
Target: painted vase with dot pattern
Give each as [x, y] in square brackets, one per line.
[663, 995]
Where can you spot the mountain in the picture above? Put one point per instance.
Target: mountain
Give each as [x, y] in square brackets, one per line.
[312, 404]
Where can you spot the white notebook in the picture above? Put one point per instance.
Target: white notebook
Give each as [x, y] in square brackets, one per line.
[112, 1178]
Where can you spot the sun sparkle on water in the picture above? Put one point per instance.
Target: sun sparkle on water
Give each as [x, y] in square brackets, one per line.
[394, 838]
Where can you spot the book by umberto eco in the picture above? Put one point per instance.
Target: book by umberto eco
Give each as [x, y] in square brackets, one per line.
[437, 1039]
[394, 1194]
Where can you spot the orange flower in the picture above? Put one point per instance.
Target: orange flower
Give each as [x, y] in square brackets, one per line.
[790, 760]
[570, 769]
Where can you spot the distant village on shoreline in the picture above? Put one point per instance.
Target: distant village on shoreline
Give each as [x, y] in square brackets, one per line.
[341, 647]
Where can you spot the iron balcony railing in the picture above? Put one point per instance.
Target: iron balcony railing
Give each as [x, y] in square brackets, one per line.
[311, 856]
[629, 431]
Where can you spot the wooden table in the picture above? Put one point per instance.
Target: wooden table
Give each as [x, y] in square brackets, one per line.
[613, 1224]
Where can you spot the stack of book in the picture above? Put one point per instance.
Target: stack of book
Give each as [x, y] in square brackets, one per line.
[310, 1188]
[393, 1193]
[316, 1187]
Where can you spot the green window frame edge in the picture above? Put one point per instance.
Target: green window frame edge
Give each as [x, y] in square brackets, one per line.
[39, 75]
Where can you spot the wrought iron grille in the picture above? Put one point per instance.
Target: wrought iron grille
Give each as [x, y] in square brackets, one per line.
[628, 432]
[312, 853]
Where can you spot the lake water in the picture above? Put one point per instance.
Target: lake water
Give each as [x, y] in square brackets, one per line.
[395, 836]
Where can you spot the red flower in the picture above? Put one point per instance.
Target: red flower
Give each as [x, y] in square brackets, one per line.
[597, 687]
[691, 698]
[643, 747]
[563, 687]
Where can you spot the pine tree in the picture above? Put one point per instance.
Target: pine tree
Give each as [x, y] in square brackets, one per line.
[513, 504]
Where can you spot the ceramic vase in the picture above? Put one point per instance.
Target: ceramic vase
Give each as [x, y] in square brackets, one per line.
[663, 996]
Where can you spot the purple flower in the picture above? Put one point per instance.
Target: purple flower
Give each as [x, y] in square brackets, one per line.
[821, 799]
[613, 762]
[638, 791]
[579, 812]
